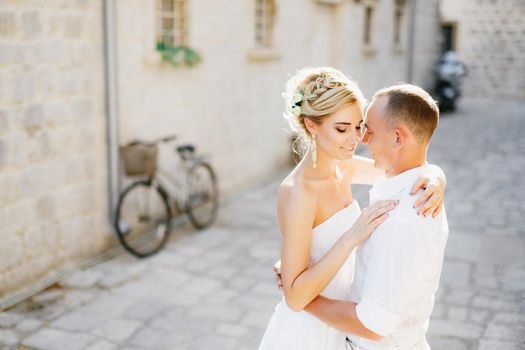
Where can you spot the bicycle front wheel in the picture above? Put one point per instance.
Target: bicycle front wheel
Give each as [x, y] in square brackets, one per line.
[203, 195]
[142, 219]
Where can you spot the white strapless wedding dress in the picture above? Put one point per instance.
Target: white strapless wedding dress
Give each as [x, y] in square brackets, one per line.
[290, 330]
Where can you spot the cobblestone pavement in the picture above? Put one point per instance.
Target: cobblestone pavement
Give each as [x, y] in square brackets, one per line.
[215, 288]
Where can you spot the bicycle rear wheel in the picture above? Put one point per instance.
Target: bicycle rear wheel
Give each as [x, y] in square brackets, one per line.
[142, 218]
[203, 195]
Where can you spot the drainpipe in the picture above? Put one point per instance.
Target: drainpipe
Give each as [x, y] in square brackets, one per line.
[411, 40]
[112, 138]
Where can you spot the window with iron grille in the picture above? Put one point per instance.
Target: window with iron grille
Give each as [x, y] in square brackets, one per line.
[172, 29]
[264, 22]
[172, 33]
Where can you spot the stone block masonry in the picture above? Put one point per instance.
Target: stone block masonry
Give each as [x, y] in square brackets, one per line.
[52, 145]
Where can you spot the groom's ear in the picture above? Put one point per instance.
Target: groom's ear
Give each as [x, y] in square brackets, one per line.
[401, 134]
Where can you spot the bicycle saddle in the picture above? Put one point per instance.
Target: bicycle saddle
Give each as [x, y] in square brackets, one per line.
[186, 148]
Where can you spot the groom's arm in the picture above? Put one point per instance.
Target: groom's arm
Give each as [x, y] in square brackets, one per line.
[341, 315]
[391, 278]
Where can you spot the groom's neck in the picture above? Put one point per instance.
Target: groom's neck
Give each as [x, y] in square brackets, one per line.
[410, 161]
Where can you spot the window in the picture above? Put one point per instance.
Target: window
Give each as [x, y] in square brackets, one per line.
[172, 22]
[397, 25]
[172, 35]
[264, 21]
[448, 31]
[367, 39]
[398, 20]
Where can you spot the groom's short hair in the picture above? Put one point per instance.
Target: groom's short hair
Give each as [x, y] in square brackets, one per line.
[411, 105]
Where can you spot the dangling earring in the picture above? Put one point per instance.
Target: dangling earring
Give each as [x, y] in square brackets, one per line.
[314, 151]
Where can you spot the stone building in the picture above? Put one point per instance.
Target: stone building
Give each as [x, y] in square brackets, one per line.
[80, 77]
[53, 162]
[489, 37]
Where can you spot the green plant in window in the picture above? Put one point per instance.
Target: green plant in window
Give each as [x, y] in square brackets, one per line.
[178, 55]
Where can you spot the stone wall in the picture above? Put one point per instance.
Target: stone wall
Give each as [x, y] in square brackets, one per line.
[491, 42]
[426, 43]
[52, 144]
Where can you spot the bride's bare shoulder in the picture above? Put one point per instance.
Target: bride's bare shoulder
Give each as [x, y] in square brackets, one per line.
[296, 205]
[295, 189]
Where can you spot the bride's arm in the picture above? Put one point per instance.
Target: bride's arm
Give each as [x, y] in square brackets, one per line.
[363, 170]
[430, 202]
[301, 282]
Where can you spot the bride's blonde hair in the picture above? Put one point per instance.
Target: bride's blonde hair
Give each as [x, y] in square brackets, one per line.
[324, 91]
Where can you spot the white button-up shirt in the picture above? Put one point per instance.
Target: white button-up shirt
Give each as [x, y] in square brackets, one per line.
[398, 268]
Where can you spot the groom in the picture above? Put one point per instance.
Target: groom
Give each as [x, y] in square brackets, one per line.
[398, 268]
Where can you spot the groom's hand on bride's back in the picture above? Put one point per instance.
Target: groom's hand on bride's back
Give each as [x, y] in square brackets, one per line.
[277, 271]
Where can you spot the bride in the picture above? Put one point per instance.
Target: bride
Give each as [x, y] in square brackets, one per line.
[320, 222]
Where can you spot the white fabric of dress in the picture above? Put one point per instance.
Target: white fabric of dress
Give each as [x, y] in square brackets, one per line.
[291, 330]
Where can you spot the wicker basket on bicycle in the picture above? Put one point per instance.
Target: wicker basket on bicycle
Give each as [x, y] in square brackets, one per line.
[139, 159]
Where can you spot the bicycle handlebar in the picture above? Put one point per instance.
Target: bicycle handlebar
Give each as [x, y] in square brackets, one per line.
[169, 138]
[164, 139]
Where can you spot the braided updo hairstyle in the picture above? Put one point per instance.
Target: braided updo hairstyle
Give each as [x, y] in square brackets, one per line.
[324, 91]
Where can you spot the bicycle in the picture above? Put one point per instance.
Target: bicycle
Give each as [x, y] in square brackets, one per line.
[145, 207]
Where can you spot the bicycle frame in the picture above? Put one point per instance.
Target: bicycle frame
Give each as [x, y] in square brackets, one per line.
[166, 179]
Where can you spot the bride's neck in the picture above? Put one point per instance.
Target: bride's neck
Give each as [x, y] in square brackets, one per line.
[326, 166]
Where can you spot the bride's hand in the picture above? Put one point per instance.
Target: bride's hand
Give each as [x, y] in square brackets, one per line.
[430, 201]
[369, 219]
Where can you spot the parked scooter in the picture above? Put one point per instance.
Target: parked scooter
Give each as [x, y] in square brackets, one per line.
[449, 73]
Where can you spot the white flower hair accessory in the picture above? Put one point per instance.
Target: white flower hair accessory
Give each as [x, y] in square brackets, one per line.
[297, 100]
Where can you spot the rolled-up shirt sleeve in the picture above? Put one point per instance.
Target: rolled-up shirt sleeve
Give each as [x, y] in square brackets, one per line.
[392, 277]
